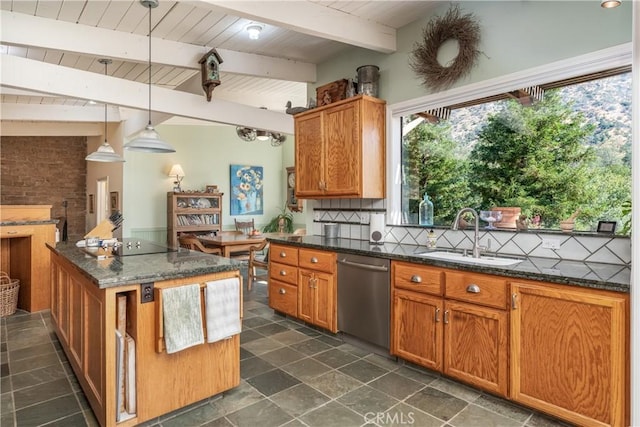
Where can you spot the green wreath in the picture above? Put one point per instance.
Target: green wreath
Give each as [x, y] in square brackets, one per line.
[424, 57]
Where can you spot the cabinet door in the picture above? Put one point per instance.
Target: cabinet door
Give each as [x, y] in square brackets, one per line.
[324, 305]
[343, 147]
[309, 155]
[306, 280]
[568, 353]
[475, 345]
[417, 328]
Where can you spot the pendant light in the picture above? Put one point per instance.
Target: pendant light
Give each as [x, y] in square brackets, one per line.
[105, 152]
[148, 140]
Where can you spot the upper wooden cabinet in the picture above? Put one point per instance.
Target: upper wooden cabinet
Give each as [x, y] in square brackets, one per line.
[340, 150]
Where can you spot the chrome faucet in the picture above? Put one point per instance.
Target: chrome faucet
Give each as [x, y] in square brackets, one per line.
[476, 237]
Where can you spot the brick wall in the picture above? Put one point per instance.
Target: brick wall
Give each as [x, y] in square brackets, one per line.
[46, 170]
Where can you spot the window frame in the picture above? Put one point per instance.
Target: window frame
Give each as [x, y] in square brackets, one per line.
[594, 62]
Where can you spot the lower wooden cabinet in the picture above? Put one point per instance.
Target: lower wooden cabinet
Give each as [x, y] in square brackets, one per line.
[417, 328]
[317, 299]
[569, 353]
[302, 283]
[465, 341]
[476, 345]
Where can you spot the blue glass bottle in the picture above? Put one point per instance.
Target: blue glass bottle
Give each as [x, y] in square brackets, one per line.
[426, 211]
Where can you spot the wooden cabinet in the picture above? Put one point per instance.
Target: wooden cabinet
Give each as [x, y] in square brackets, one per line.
[417, 328]
[317, 288]
[192, 213]
[340, 150]
[465, 339]
[569, 354]
[302, 283]
[23, 252]
[283, 279]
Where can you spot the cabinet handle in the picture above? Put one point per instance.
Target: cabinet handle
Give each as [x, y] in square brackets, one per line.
[283, 254]
[416, 279]
[514, 300]
[12, 232]
[283, 273]
[473, 289]
[437, 318]
[282, 291]
[314, 260]
[446, 317]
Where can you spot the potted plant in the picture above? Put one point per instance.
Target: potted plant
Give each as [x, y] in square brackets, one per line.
[282, 223]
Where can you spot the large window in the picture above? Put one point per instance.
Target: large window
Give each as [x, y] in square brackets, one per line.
[550, 150]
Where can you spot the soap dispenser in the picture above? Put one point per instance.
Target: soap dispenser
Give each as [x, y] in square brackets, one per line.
[426, 211]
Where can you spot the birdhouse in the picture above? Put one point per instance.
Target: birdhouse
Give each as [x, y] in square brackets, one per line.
[210, 70]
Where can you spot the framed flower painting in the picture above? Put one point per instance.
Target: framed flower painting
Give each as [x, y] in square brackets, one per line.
[246, 197]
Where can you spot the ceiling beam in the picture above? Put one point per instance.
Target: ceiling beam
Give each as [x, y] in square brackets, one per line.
[117, 45]
[28, 74]
[59, 113]
[313, 19]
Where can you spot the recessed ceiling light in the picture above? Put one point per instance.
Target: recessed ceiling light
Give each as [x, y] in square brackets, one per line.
[254, 31]
[608, 4]
[92, 102]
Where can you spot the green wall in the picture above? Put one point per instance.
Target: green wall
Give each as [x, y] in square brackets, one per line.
[515, 35]
[205, 153]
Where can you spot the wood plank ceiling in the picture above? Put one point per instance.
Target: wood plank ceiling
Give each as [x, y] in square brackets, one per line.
[268, 72]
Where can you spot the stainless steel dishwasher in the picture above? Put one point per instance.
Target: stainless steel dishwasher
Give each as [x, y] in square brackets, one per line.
[364, 298]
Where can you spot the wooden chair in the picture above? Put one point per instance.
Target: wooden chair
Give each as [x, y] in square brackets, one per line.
[258, 258]
[191, 242]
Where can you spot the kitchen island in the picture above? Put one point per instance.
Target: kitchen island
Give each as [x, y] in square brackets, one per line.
[94, 300]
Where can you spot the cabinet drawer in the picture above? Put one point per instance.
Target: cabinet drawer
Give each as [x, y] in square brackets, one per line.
[318, 260]
[417, 278]
[284, 254]
[283, 297]
[284, 273]
[477, 288]
[15, 231]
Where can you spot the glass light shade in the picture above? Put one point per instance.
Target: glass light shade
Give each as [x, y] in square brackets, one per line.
[149, 141]
[262, 135]
[176, 170]
[608, 4]
[254, 31]
[104, 153]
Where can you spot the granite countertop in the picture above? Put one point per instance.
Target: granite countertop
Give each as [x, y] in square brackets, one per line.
[28, 222]
[117, 271]
[612, 277]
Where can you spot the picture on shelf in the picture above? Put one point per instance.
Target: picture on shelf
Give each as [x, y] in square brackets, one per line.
[211, 189]
[246, 190]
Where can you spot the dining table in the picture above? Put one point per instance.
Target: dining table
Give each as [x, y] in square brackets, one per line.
[232, 242]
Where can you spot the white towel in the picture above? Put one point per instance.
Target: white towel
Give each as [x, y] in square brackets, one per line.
[222, 299]
[182, 316]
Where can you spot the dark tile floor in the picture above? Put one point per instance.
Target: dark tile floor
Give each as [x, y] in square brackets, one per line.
[292, 375]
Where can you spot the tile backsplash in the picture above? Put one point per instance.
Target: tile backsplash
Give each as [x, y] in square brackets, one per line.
[353, 215]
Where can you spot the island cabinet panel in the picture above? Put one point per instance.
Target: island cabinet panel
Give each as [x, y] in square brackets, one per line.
[569, 354]
[340, 150]
[86, 318]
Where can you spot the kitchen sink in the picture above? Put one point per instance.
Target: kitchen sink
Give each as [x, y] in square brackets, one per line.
[459, 257]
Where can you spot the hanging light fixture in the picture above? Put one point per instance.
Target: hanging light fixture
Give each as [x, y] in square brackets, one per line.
[105, 152]
[148, 140]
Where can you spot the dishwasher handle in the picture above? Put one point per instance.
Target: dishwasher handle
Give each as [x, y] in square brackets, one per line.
[364, 266]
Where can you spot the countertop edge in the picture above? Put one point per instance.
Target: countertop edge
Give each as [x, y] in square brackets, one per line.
[507, 271]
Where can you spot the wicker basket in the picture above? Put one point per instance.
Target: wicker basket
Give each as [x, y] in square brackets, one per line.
[8, 294]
